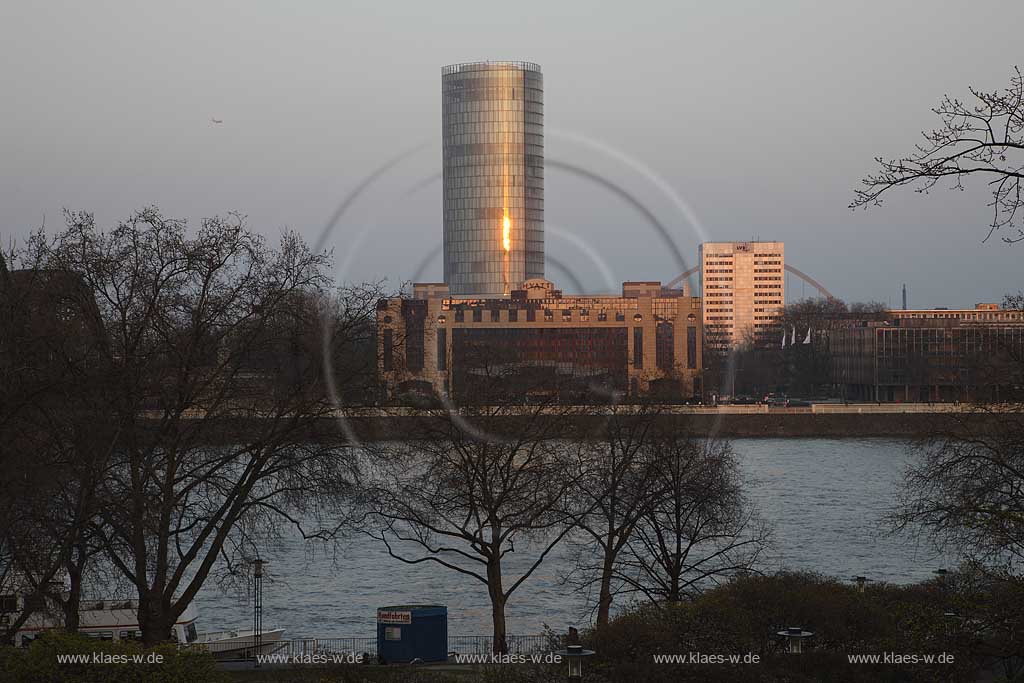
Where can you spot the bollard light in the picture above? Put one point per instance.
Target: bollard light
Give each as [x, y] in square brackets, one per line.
[951, 622]
[794, 636]
[574, 655]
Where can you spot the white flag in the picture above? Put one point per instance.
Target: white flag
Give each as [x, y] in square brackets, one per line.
[807, 339]
[783, 339]
[793, 340]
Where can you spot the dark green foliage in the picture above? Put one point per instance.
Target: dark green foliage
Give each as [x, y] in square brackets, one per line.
[38, 663]
[354, 674]
[743, 617]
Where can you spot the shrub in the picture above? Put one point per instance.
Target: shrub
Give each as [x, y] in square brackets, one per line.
[39, 662]
[744, 615]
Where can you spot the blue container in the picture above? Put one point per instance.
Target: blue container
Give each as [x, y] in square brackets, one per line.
[408, 632]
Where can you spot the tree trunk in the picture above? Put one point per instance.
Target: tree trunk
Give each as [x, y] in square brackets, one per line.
[675, 593]
[604, 600]
[498, 618]
[155, 620]
[497, 593]
[72, 604]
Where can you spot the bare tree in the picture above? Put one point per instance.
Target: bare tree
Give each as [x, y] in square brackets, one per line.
[808, 366]
[701, 530]
[53, 376]
[215, 364]
[719, 361]
[462, 498]
[982, 137]
[31, 553]
[757, 365]
[967, 491]
[868, 310]
[618, 486]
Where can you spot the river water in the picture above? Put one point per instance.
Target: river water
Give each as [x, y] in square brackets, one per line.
[824, 497]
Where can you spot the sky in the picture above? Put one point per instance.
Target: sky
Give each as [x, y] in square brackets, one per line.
[726, 120]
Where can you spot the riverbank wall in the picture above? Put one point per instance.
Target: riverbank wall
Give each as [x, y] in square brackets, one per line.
[903, 421]
[823, 421]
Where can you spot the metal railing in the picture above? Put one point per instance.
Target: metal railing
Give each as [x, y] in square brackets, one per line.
[295, 647]
[517, 645]
[488, 66]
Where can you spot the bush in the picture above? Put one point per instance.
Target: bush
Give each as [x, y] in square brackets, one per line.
[345, 674]
[38, 663]
[524, 673]
[744, 616]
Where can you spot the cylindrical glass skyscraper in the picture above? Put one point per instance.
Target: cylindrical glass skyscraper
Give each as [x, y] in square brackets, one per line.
[493, 150]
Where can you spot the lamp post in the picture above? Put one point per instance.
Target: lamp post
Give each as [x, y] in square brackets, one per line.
[257, 609]
[794, 636]
[574, 654]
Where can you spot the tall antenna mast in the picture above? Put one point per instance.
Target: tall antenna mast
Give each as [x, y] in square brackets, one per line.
[904, 296]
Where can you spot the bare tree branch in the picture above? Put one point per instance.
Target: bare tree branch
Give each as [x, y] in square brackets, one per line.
[981, 137]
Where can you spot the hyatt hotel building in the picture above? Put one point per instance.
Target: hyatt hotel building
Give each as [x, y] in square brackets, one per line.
[648, 340]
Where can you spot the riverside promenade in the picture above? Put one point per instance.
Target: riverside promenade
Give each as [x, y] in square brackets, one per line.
[825, 420]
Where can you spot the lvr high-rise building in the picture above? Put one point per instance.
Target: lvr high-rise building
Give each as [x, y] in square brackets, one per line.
[743, 287]
[493, 151]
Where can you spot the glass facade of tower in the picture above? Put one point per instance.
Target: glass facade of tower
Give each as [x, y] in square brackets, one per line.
[493, 152]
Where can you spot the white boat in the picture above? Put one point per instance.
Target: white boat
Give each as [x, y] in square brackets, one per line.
[100, 619]
[116, 620]
[240, 644]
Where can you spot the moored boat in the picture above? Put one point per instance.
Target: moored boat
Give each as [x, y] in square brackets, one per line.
[240, 644]
[111, 620]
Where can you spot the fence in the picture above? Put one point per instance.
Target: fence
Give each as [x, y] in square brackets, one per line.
[524, 645]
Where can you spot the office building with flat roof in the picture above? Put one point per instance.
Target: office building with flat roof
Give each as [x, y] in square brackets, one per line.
[743, 289]
[931, 355]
